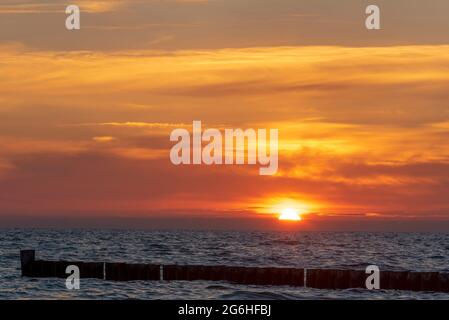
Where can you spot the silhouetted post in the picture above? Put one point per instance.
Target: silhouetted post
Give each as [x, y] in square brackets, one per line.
[26, 260]
[316, 278]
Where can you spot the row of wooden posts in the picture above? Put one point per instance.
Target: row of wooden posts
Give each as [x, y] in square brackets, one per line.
[313, 278]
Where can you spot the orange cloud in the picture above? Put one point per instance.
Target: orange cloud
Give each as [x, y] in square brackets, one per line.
[361, 129]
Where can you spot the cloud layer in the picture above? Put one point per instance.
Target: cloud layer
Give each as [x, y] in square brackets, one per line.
[363, 131]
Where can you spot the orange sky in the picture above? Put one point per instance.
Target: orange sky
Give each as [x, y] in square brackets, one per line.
[84, 124]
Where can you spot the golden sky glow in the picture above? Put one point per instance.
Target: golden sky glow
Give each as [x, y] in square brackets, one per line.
[363, 129]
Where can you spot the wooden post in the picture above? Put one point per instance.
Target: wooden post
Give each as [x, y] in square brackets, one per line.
[27, 258]
[315, 278]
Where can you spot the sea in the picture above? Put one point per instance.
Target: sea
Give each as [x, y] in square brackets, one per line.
[346, 250]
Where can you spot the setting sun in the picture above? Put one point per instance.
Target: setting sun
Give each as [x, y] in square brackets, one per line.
[290, 215]
[287, 208]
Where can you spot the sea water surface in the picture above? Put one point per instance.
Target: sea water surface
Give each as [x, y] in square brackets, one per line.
[348, 250]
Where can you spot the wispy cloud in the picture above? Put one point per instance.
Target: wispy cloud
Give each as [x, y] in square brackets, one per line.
[91, 6]
[361, 129]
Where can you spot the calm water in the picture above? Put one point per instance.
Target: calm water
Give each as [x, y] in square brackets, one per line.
[392, 251]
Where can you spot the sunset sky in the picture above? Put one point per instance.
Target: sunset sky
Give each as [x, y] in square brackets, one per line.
[363, 116]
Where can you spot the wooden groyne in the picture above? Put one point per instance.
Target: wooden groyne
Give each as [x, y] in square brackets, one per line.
[313, 278]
